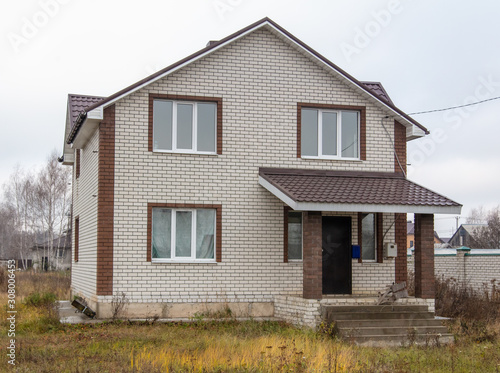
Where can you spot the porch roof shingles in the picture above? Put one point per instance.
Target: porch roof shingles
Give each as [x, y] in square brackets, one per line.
[353, 191]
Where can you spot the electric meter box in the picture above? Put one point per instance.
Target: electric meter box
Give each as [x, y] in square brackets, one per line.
[391, 250]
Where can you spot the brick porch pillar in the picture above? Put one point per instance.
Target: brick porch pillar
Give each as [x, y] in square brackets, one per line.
[401, 259]
[424, 256]
[312, 256]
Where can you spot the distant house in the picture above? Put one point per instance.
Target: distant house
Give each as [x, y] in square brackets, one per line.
[23, 261]
[41, 259]
[26, 262]
[464, 236]
[410, 235]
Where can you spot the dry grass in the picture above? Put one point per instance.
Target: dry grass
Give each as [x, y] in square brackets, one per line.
[44, 345]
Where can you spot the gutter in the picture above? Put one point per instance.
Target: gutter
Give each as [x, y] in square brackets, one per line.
[76, 127]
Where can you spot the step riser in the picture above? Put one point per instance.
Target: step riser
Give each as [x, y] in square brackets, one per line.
[331, 316]
[386, 323]
[378, 309]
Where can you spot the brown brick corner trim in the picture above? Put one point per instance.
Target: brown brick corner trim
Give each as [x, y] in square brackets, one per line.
[286, 209]
[77, 238]
[401, 264]
[362, 124]
[105, 203]
[218, 224]
[77, 170]
[399, 147]
[360, 236]
[217, 100]
[380, 236]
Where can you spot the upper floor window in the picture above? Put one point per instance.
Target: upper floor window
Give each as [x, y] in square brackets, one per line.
[330, 133]
[185, 126]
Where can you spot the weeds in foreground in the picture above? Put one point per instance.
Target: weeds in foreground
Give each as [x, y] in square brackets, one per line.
[457, 299]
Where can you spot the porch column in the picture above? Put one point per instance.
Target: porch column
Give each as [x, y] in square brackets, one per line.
[401, 259]
[424, 256]
[312, 255]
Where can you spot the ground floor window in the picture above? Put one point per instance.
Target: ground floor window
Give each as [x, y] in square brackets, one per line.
[293, 233]
[183, 234]
[369, 237]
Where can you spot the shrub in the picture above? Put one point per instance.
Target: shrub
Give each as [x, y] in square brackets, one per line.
[40, 300]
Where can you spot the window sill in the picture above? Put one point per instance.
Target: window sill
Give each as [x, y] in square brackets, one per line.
[156, 151]
[183, 262]
[366, 261]
[331, 159]
[295, 261]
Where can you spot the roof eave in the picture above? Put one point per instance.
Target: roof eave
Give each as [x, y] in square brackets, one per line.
[89, 123]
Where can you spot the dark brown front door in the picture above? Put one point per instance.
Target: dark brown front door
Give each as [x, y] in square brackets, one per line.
[336, 255]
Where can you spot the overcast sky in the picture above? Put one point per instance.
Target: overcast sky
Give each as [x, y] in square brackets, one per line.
[428, 54]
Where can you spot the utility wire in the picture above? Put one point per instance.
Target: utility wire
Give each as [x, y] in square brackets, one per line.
[455, 107]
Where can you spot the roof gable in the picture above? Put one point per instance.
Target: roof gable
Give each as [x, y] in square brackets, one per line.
[371, 90]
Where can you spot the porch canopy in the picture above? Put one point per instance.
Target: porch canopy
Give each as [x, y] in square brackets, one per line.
[347, 191]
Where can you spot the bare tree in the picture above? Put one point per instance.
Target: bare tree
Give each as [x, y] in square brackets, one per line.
[477, 216]
[51, 198]
[16, 201]
[7, 231]
[39, 204]
[487, 236]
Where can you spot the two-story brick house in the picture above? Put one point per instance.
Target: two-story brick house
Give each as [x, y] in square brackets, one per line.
[242, 176]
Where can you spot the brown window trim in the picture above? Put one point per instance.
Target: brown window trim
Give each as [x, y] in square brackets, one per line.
[362, 124]
[380, 237]
[217, 100]
[77, 237]
[379, 221]
[77, 171]
[360, 236]
[286, 209]
[218, 227]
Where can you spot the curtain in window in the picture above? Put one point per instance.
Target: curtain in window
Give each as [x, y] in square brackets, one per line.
[349, 134]
[294, 235]
[205, 227]
[368, 232]
[162, 223]
[206, 127]
[183, 229]
[162, 128]
[309, 132]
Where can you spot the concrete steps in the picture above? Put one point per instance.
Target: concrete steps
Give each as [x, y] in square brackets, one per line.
[393, 325]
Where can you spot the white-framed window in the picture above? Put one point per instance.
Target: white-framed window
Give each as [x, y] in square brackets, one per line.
[369, 236]
[294, 227]
[330, 133]
[183, 235]
[184, 126]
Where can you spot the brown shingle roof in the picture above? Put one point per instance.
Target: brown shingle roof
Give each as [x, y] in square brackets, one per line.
[79, 104]
[378, 90]
[353, 188]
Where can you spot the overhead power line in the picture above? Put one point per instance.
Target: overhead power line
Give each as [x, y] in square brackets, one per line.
[455, 107]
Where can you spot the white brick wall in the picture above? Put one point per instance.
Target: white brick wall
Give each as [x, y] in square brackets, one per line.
[260, 80]
[477, 271]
